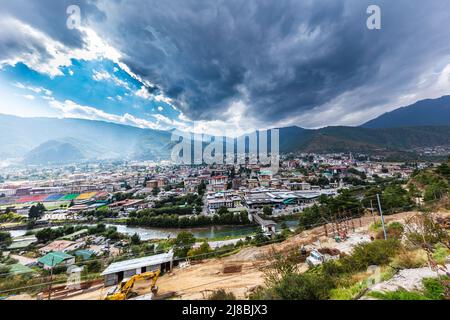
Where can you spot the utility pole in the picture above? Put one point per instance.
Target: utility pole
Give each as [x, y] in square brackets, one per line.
[371, 209]
[51, 279]
[382, 218]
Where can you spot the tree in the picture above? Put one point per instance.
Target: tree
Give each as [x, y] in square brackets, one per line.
[222, 211]
[156, 191]
[201, 188]
[435, 191]
[394, 196]
[183, 243]
[49, 234]
[5, 238]
[135, 239]
[260, 238]
[413, 191]
[201, 252]
[267, 211]
[36, 211]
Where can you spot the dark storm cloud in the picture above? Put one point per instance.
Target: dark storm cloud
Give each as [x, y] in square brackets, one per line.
[50, 16]
[280, 58]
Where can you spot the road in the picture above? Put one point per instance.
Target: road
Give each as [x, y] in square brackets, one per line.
[219, 243]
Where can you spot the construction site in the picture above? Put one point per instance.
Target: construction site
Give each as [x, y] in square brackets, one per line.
[240, 273]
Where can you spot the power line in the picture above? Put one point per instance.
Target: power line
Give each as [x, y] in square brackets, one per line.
[178, 258]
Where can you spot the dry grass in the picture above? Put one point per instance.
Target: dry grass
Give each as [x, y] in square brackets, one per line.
[410, 259]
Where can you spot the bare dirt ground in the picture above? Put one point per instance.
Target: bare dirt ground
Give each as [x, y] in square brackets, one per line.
[409, 279]
[198, 280]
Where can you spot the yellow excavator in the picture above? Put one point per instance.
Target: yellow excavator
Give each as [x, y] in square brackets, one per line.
[123, 290]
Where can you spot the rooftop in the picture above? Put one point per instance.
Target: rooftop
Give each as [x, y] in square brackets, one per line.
[138, 263]
[54, 258]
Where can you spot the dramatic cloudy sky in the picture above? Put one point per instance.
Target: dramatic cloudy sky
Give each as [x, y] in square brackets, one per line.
[232, 65]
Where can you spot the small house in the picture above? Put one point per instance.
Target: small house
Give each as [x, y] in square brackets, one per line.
[56, 259]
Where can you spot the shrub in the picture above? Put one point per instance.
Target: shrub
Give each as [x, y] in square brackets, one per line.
[408, 259]
[378, 252]
[440, 254]
[93, 266]
[395, 230]
[221, 294]
[348, 293]
[435, 288]
[376, 226]
[400, 294]
[307, 286]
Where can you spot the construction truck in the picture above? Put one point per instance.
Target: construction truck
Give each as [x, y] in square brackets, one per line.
[123, 291]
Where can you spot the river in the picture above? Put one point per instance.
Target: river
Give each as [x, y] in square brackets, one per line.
[155, 233]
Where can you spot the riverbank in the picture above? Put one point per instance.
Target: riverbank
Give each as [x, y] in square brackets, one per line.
[210, 233]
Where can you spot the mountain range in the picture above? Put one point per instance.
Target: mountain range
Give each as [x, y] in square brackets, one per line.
[429, 112]
[56, 141]
[94, 140]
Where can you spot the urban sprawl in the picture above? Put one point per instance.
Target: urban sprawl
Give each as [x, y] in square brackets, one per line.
[82, 230]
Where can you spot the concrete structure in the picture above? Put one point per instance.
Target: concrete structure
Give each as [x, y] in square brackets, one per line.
[118, 271]
[267, 226]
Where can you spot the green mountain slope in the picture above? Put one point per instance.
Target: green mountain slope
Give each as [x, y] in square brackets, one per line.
[54, 152]
[95, 139]
[429, 112]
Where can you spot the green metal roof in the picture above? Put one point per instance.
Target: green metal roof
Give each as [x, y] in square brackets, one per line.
[86, 254]
[52, 259]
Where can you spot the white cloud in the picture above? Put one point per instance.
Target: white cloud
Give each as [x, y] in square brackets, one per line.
[29, 96]
[160, 108]
[105, 76]
[100, 75]
[234, 122]
[143, 93]
[37, 90]
[70, 109]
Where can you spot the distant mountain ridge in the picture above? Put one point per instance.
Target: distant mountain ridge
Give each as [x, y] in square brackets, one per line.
[357, 139]
[54, 152]
[430, 112]
[95, 139]
[52, 140]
